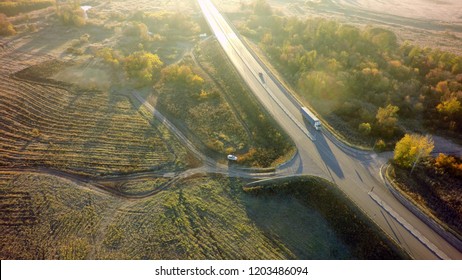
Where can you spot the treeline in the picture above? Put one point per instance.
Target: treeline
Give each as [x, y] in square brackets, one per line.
[141, 67]
[362, 76]
[14, 7]
[144, 68]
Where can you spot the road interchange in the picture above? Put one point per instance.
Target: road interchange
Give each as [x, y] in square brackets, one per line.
[356, 173]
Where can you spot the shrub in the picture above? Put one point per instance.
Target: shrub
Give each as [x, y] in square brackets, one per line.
[449, 164]
[6, 28]
[365, 128]
[72, 16]
[109, 56]
[380, 145]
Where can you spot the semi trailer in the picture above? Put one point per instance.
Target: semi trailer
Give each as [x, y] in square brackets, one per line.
[311, 118]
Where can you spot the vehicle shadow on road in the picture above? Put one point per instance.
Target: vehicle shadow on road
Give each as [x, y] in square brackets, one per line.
[326, 154]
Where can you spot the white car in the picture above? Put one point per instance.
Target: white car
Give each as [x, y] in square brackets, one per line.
[232, 157]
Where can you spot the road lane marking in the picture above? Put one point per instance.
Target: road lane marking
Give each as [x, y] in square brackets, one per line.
[432, 247]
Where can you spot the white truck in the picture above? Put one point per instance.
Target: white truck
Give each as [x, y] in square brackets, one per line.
[312, 119]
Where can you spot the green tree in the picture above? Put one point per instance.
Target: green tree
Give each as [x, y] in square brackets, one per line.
[411, 149]
[109, 56]
[262, 8]
[449, 107]
[6, 28]
[386, 119]
[70, 15]
[143, 67]
[365, 128]
[182, 76]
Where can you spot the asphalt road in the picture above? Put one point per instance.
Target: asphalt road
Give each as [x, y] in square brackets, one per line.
[356, 173]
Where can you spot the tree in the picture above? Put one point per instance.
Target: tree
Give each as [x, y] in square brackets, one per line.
[365, 128]
[109, 56]
[449, 107]
[262, 8]
[6, 28]
[71, 15]
[411, 149]
[446, 163]
[182, 76]
[143, 66]
[387, 118]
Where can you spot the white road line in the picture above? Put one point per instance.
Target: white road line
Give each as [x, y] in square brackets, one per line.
[432, 247]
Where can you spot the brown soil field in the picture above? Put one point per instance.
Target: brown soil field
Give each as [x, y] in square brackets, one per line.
[81, 131]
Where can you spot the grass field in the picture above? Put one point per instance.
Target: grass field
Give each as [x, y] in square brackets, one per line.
[361, 236]
[47, 217]
[80, 131]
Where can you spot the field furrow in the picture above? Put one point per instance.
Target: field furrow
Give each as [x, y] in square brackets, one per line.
[87, 132]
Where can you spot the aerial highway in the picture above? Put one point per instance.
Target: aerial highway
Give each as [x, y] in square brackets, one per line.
[357, 173]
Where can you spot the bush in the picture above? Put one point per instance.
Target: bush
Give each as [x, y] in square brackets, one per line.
[380, 145]
[6, 28]
[449, 164]
[139, 30]
[72, 16]
[386, 120]
[365, 128]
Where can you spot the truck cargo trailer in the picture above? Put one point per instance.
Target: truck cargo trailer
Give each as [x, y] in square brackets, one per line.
[312, 119]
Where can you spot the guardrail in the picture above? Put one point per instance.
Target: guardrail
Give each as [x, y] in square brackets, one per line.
[452, 237]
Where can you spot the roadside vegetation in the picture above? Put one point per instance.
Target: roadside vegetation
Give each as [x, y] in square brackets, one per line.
[433, 183]
[362, 82]
[363, 238]
[194, 104]
[269, 144]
